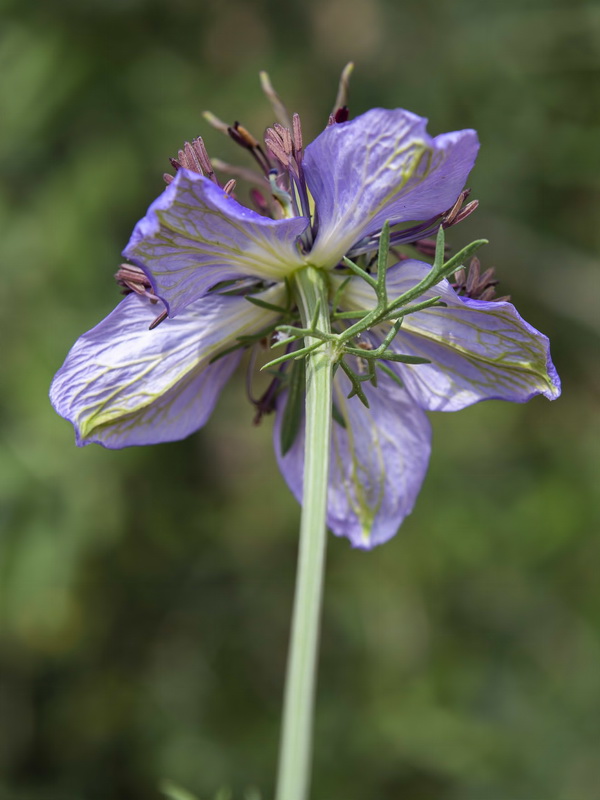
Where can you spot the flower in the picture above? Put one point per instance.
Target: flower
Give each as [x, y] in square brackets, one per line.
[204, 256]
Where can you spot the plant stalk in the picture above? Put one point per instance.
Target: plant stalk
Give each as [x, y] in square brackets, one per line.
[293, 780]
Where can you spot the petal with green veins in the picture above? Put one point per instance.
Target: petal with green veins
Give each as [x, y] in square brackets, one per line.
[378, 460]
[479, 350]
[381, 166]
[122, 384]
[195, 235]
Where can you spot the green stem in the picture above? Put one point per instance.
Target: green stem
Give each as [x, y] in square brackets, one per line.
[296, 738]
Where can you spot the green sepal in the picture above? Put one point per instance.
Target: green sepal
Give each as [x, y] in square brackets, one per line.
[292, 355]
[243, 341]
[226, 352]
[263, 304]
[360, 272]
[390, 373]
[292, 415]
[337, 415]
[355, 380]
[389, 355]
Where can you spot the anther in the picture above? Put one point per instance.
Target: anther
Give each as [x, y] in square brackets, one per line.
[242, 136]
[156, 322]
[133, 279]
[276, 145]
[278, 107]
[188, 158]
[450, 215]
[466, 211]
[475, 284]
[473, 276]
[195, 158]
[457, 213]
[285, 136]
[341, 99]
[297, 131]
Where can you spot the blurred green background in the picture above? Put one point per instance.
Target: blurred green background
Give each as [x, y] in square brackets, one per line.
[145, 594]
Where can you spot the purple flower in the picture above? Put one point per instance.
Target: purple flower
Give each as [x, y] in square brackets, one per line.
[204, 256]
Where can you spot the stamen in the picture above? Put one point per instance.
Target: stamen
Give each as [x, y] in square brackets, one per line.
[279, 141]
[203, 158]
[341, 99]
[466, 211]
[156, 322]
[215, 122]
[473, 275]
[195, 158]
[188, 158]
[297, 130]
[230, 187]
[457, 213]
[265, 404]
[243, 173]
[287, 147]
[281, 112]
[474, 284]
[420, 232]
[285, 136]
[450, 215]
[342, 114]
[133, 279]
[244, 138]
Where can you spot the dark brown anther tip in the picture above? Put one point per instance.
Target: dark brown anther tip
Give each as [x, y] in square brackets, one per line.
[342, 114]
[242, 136]
[156, 322]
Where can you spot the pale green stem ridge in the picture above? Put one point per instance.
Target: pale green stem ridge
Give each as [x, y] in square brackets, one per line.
[293, 779]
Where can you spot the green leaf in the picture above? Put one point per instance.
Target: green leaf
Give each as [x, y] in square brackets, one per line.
[292, 416]
[337, 415]
[390, 373]
[355, 381]
[256, 301]
[389, 355]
